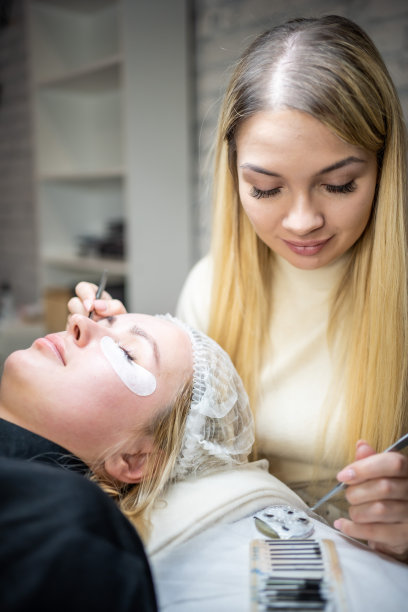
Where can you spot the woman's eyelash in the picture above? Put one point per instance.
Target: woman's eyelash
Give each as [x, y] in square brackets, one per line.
[127, 354]
[347, 188]
[259, 193]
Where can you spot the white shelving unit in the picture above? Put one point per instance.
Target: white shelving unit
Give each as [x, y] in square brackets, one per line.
[110, 94]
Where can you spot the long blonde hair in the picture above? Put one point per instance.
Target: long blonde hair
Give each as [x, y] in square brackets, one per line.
[137, 500]
[333, 72]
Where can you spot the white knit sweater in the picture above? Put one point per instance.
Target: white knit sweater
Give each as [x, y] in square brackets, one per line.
[297, 368]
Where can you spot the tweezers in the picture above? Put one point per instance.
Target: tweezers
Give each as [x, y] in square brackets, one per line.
[398, 445]
[100, 290]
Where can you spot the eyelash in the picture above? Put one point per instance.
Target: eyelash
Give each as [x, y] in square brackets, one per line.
[127, 354]
[258, 193]
[347, 188]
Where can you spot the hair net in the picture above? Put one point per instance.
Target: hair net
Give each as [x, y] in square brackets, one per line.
[219, 429]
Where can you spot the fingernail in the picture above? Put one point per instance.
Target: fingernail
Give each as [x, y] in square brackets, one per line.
[88, 305]
[100, 305]
[346, 475]
[337, 524]
[361, 443]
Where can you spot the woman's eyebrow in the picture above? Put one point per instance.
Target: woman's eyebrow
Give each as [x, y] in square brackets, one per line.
[137, 331]
[343, 162]
[258, 169]
[335, 166]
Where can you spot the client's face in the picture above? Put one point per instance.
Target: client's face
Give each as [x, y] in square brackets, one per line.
[97, 385]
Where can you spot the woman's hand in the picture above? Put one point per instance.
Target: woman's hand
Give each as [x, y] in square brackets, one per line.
[378, 495]
[85, 302]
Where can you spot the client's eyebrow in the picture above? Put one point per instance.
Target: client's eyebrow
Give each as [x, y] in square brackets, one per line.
[137, 331]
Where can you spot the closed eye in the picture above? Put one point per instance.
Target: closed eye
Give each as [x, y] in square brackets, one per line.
[260, 193]
[127, 354]
[347, 188]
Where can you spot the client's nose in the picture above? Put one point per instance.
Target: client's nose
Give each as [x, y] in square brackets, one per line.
[82, 329]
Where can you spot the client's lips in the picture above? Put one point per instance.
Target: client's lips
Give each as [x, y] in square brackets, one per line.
[54, 342]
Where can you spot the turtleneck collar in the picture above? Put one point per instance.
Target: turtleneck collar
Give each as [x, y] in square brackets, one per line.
[322, 279]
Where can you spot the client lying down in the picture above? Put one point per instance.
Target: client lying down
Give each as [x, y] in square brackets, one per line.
[152, 410]
[138, 401]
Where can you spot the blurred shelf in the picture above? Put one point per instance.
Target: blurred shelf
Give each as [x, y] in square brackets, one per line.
[110, 94]
[98, 77]
[108, 174]
[115, 267]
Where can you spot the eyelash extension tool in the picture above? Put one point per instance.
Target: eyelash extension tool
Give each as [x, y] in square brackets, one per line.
[100, 290]
[296, 575]
[398, 445]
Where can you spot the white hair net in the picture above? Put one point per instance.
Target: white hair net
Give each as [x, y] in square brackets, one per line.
[219, 431]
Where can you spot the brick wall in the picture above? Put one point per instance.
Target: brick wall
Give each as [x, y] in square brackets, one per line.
[18, 255]
[224, 28]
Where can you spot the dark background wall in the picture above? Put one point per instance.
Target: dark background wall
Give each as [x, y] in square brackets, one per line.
[18, 249]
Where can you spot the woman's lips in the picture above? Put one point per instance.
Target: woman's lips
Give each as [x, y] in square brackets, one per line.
[54, 343]
[311, 247]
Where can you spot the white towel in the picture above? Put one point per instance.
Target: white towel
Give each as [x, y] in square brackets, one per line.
[195, 504]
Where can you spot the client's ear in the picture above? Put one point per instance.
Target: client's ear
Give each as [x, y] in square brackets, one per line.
[127, 467]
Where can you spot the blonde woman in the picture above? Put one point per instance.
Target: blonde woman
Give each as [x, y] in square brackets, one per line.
[138, 401]
[306, 283]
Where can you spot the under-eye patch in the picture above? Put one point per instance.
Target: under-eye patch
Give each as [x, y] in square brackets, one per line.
[139, 380]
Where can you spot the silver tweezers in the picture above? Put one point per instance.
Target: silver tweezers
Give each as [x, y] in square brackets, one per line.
[398, 445]
[100, 290]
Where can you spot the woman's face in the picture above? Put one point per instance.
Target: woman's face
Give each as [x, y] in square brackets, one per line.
[70, 387]
[307, 193]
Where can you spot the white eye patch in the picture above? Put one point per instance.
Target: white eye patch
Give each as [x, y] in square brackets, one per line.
[139, 380]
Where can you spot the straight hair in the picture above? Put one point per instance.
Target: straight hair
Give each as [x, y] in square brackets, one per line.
[329, 68]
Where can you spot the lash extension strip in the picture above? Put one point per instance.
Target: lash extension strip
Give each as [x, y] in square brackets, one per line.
[296, 575]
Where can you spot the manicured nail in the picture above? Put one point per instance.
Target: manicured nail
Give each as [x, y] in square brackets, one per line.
[346, 475]
[88, 305]
[100, 305]
[337, 524]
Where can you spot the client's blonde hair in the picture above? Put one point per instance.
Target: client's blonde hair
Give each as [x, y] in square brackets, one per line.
[208, 427]
[167, 429]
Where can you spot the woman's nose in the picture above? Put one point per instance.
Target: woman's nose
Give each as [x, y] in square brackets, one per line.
[302, 217]
[82, 329]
